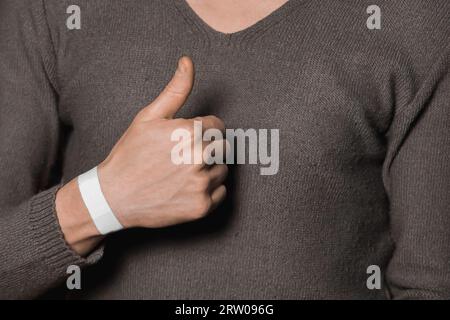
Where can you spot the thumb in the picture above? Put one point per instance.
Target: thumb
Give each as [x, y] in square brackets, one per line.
[174, 95]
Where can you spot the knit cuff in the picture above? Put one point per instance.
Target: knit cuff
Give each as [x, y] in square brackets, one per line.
[49, 237]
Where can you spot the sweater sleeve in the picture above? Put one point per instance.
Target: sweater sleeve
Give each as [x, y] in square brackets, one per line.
[417, 178]
[33, 253]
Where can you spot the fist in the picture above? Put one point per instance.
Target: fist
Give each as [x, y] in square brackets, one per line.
[142, 184]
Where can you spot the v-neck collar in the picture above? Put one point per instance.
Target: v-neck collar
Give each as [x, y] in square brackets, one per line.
[213, 35]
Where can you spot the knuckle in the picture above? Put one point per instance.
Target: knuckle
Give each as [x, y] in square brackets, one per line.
[218, 123]
[202, 206]
[189, 127]
[224, 169]
[202, 182]
[185, 124]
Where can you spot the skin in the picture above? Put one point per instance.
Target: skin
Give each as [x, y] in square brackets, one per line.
[159, 193]
[229, 16]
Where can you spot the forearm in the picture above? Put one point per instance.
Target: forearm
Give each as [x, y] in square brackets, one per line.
[35, 254]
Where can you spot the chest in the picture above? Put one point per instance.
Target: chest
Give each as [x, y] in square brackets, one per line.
[327, 104]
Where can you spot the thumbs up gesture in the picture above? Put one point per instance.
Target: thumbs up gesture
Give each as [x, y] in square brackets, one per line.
[141, 183]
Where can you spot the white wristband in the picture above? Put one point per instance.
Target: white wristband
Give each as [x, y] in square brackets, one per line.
[101, 213]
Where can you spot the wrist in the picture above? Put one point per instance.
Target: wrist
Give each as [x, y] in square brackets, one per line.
[76, 224]
[113, 193]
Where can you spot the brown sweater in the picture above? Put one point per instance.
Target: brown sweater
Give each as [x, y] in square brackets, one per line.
[364, 118]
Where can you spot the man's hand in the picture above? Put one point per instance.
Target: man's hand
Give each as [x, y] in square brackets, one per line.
[142, 185]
